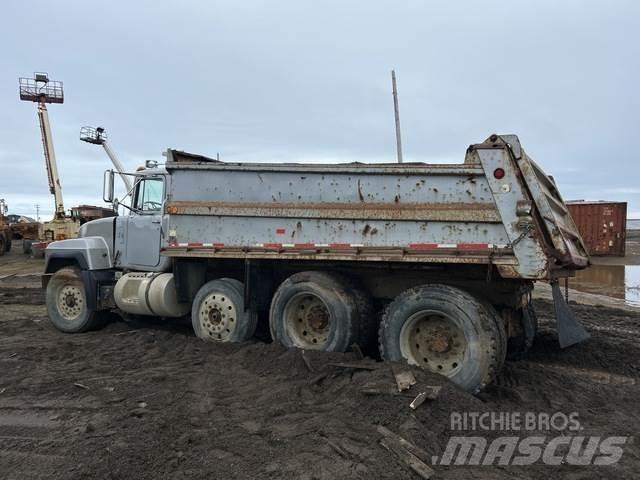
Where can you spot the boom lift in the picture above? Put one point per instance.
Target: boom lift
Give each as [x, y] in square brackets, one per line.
[41, 90]
[98, 136]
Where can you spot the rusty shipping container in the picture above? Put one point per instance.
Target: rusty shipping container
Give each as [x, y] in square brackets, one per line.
[602, 226]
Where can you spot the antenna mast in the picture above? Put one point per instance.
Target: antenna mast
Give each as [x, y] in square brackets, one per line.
[397, 115]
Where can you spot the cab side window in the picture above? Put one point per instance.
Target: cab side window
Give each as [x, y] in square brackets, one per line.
[148, 196]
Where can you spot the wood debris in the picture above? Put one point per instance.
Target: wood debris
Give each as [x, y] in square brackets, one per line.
[356, 365]
[430, 393]
[404, 379]
[407, 453]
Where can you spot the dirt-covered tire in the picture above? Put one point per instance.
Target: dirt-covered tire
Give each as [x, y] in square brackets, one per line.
[67, 303]
[446, 330]
[315, 311]
[8, 245]
[2, 245]
[368, 320]
[218, 312]
[519, 344]
[27, 247]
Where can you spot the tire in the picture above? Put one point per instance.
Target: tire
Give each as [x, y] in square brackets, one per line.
[445, 330]
[3, 247]
[218, 312]
[520, 344]
[368, 321]
[8, 246]
[67, 303]
[27, 247]
[315, 311]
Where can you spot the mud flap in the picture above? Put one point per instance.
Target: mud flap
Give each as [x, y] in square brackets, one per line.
[570, 331]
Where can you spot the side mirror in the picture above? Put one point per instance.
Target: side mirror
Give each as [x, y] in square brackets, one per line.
[107, 186]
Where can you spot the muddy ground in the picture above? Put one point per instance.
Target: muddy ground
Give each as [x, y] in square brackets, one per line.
[149, 400]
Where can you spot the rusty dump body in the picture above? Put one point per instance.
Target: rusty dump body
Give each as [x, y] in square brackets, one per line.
[497, 208]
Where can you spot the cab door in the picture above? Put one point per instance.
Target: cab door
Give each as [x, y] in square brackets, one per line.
[144, 225]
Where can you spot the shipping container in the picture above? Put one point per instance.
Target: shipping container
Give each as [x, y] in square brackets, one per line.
[602, 226]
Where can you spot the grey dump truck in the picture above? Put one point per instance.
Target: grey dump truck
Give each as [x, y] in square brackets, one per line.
[430, 263]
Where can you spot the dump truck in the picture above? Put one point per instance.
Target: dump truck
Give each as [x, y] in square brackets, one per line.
[433, 264]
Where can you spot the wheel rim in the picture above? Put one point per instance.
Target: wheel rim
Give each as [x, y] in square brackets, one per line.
[432, 340]
[307, 321]
[217, 316]
[70, 302]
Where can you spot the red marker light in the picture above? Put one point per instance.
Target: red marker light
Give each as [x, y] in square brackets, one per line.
[498, 173]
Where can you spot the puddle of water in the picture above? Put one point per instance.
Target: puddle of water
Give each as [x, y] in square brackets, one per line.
[618, 281]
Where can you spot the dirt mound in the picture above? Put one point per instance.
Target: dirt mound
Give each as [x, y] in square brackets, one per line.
[149, 400]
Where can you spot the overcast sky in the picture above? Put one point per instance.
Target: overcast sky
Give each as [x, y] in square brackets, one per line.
[309, 81]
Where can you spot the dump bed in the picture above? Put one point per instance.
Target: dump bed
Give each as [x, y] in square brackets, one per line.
[498, 207]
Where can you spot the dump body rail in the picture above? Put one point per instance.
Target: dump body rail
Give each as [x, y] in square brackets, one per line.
[418, 212]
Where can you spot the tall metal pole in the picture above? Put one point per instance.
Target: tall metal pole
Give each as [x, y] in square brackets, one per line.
[397, 116]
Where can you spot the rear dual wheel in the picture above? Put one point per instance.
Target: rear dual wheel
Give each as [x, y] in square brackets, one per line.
[320, 311]
[526, 330]
[445, 330]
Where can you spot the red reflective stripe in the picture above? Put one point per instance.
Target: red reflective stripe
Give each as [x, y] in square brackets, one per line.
[194, 244]
[218, 245]
[423, 246]
[473, 246]
[340, 245]
[272, 246]
[280, 231]
[304, 245]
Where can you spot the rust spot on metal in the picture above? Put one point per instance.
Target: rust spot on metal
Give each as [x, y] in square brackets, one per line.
[435, 211]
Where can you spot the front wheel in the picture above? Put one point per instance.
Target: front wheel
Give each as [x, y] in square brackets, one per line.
[445, 330]
[67, 303]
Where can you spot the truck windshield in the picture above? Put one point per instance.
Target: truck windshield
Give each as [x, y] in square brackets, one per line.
[149, 194]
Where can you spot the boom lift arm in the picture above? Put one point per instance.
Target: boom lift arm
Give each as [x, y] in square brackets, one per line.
[98, 136]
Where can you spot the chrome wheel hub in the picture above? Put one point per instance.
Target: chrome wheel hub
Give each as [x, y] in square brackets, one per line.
[217, 316]
[70, 302]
